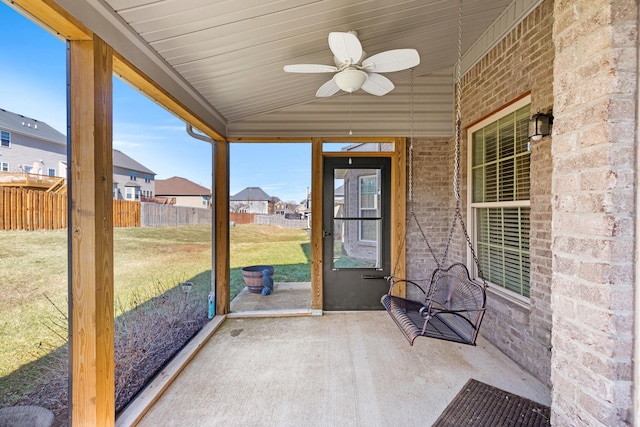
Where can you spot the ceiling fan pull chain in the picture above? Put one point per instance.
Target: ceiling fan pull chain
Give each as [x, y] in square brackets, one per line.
[350, 123]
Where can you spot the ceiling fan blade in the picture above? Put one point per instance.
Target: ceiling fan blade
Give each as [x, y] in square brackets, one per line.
[310, 68]
[392, 60]
[327, 89]
[377, 84]
[345, 47]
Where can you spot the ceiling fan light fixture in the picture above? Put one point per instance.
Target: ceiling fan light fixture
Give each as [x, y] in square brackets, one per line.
[350, 80]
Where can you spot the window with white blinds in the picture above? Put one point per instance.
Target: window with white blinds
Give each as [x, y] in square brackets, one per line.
[500, 182]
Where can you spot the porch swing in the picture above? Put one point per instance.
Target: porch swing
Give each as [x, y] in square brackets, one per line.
[452, 304]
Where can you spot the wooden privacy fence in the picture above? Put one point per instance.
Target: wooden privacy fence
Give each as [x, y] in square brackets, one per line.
[126, 213]
[154, 215]
[29, 210]
[241, 217]
[22, 209]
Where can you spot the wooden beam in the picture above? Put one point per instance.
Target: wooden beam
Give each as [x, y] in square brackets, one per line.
[267, 139]
[55, 17]
[399, 215]
[91, 234]
[316, 225]
[359, 154]
[221, 245]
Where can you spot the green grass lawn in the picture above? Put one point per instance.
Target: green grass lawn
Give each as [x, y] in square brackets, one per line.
[33, 278]
[287, 250]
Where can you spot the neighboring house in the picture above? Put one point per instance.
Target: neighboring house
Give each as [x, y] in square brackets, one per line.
[130, 178]
[252, 200]
[184, 192]
[31, 146]
[303, 210]
[281, 207]
[286, 209]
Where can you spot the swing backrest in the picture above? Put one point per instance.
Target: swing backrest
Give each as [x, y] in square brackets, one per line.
[457, 300]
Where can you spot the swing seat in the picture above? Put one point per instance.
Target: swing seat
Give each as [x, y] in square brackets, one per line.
[452, 309]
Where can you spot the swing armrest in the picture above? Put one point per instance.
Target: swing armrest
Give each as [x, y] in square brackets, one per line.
[436, 307]
[456, 322]
[393, 282]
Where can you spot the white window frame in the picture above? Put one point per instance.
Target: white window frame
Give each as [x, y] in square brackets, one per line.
[133, 175]
[3, 138]
[4, 167]
[473, 206]
[51, 172]
[361, 209]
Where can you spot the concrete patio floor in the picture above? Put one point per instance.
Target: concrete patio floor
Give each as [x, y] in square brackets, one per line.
[338, 369]
[287, 297]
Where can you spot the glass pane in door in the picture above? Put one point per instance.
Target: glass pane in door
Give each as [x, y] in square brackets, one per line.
[357, 219]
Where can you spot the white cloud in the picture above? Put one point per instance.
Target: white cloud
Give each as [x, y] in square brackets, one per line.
[126, 144]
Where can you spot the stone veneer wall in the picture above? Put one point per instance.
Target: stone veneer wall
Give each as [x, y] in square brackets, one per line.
[594, 185]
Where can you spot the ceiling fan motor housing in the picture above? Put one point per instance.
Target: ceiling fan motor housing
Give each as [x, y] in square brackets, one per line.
[350, 79]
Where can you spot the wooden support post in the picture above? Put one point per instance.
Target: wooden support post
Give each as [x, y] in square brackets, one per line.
[91, 234]
[399, 215]
[316, 225]
[221, 245]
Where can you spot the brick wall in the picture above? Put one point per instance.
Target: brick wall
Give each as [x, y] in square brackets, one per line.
[432, 194]
[522, 62]
[593, 211]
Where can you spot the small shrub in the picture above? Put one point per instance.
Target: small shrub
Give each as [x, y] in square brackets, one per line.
[153, 327]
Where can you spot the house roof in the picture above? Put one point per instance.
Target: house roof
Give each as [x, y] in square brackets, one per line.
[123, 161]
[252, 194]
[18, 123]
[178, 186]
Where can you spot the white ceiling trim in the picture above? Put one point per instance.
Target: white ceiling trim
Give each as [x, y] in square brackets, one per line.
[512, 16]
[101, 19]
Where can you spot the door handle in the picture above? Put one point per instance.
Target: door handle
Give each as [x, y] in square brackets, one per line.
[325, 233]
[374, 276]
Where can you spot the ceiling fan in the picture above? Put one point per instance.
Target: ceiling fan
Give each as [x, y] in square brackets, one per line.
[353, 72]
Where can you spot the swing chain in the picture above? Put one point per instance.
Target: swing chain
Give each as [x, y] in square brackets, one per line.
[473, 252]
[424, 236]
[456, 164]
[456, 158]
[411, 142]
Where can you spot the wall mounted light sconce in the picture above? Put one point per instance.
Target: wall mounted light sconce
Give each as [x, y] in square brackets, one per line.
[539, 125]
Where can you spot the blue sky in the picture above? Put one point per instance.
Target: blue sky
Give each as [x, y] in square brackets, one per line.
[33, 83]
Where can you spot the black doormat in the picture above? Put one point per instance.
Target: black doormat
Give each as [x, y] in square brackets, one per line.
[479, 404]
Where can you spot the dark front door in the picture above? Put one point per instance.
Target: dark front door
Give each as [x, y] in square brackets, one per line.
[356, 230]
